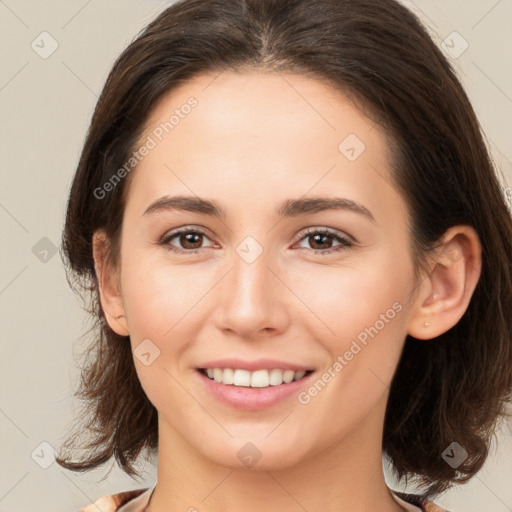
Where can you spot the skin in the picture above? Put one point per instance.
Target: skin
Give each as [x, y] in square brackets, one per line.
[254, 140]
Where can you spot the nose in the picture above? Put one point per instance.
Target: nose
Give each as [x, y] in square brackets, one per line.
[251, 299]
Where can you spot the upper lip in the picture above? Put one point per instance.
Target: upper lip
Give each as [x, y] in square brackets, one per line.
[257, 364]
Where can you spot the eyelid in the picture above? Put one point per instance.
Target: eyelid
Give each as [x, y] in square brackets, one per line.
[315, 229]
[346, 242]
[171, 233]
[328, 231]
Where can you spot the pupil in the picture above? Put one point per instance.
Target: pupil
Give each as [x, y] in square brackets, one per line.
[320, 237]
[189, 238]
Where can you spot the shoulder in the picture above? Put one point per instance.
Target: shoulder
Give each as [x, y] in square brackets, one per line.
[424, 504]
[113, 502]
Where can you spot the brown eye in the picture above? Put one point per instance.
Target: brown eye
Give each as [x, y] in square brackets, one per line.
[321, 241]
[190, 240]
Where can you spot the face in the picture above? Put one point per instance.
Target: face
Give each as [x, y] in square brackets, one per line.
[265, 278]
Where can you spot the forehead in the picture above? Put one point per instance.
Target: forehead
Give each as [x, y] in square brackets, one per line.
[283, 104]
[260, 134]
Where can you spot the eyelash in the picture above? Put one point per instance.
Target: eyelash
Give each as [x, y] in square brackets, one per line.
[345, 243]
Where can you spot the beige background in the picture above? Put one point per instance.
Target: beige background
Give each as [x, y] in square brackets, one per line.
[45, 107]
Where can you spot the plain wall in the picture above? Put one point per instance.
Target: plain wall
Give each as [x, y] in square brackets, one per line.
[45, 108]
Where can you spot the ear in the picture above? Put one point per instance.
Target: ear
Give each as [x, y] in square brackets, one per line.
[109, 284]
[445, 293]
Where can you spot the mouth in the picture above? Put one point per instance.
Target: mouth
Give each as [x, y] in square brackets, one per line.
[253, 384]
[263, 378]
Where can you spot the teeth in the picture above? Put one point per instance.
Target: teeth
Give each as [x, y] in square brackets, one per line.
[256, 379]
[240, 377]
[276, 377]
[260, 379]
[228, 376]
[288, 376]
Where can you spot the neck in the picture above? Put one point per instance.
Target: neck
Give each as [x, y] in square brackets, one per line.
[347, 475]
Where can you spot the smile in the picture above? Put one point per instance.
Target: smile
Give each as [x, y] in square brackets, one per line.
[253, 379]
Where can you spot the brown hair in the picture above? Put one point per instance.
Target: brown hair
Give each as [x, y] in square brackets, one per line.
[452, 388]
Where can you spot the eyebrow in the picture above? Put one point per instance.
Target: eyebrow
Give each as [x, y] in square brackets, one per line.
[289, 208]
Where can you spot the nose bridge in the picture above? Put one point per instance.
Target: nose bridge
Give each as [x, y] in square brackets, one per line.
[250, 275]
[250, 294]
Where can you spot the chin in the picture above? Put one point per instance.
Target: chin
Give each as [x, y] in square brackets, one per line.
[254, 453]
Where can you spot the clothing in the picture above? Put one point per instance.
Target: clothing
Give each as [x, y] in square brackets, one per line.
[137, 500]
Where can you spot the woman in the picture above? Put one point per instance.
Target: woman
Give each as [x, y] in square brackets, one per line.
[299, 256]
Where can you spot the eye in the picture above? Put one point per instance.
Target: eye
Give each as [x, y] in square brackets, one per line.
[190, 239]
[320, 238]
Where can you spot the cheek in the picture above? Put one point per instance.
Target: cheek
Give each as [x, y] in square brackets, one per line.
[369, 329]
[360, 316]
[342, 301]
[335, 303]
[158, 294]
[162, 302]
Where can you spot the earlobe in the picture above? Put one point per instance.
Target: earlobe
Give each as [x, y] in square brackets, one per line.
[446, 292]
[108, 284]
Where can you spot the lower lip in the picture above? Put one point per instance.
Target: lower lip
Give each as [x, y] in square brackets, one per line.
[252, 399]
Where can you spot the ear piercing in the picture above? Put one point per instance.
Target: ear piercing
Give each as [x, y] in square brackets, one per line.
[427, 323]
